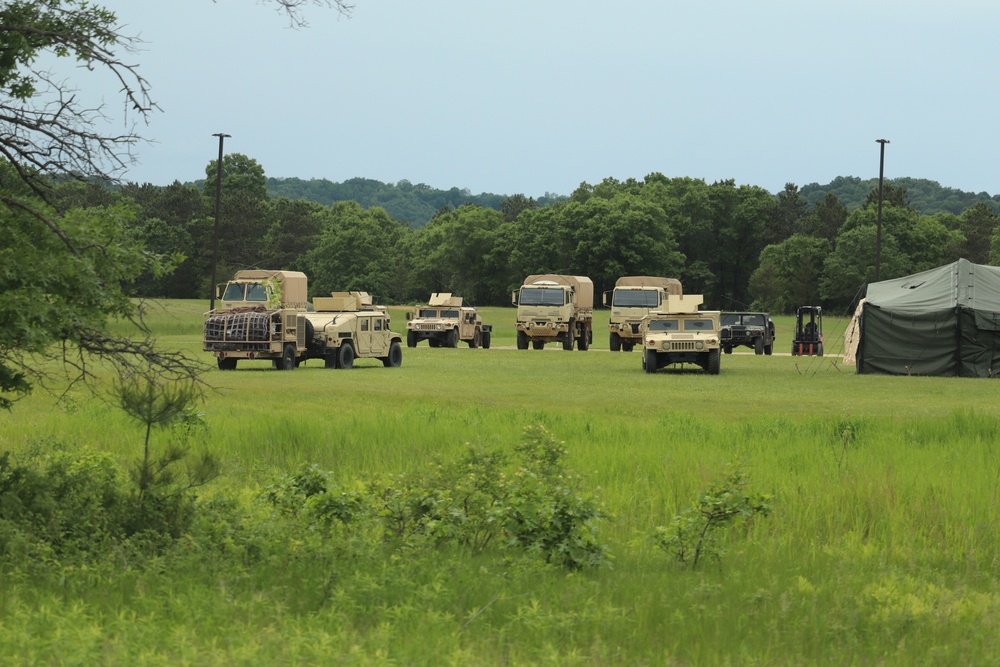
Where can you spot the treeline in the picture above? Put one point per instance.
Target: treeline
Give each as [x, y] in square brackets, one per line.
[925, 196]
[739, 245]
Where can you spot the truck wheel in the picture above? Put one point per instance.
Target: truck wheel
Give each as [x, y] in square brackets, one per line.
[453, 338]
[627, 347]
[227, 364]
[522, 340]
[795, 349]
[728, 349]
[395, 358]
[345, 358]
[476, 338]
[758, 345]
[287, 362]
[649, 361]
[713, 362]
[538, 344]
[616, 342]
[330, 360]
[486, 340]
[584, 343]
[434, 342]
[411, 339]
[570, 335]
[768, 349]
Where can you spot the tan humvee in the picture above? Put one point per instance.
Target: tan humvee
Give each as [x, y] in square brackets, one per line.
[444, 321]
[681, 334]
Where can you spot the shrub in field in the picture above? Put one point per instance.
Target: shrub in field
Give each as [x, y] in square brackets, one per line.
[309, 493]
[694, 532]
[531, 503]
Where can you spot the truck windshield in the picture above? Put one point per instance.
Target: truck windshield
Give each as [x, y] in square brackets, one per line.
[453, 314]
[728, 319]
[424, 312]
[234, 292]
[256, 291]
[698, 325]
[635, 298]
[663, 325]
[541, 296]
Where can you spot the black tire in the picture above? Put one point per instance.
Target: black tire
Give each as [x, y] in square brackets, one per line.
[227, 364]
[769, 348]
[713, 362]
[616, 342]
[584, 343]
[345, 357]
[434, 342]
[649, 361]
[411, 339]
[486, 340]
[795, 349]
[538, 344]
[330, 360]
[570, 334]
[476, 340]
[728, 349]
[395, 358]
[627, 347]
[758, 345]
[287, 361]
[453, 338]
[522, 340]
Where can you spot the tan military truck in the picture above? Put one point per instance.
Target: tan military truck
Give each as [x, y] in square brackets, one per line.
[263, 315]
[632, 299]
[444, 321]
[554, 308]
[681, 334]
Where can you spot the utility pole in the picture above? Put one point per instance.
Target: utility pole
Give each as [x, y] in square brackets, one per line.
[878, 229]
[218, 200]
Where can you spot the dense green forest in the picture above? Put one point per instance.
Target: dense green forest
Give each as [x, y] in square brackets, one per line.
[739, 245]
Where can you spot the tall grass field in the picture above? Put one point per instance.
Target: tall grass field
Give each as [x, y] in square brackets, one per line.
[881, 547]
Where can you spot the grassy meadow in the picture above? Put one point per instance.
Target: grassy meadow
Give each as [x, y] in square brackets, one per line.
[882, 547]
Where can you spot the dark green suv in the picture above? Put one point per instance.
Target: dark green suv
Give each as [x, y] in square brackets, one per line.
[753, 330]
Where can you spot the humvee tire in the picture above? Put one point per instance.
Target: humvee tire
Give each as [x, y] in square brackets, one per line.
[345, 357]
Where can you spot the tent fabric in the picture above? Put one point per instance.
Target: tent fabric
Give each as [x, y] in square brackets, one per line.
[944, 321]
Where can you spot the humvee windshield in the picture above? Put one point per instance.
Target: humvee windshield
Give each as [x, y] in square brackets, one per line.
[450, 313]
[698, 325]
[729, 319]
[425, 312]
[540, 296]
[635, 299]
[245, 292]
[663, 325]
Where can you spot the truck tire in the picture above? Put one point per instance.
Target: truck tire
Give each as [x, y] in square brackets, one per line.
[758, 345]
[728, 349]
[522, 340]
[395, 358]
[627, 347]
[769, 348]
[288, 357]
[584, 343]
[453, 338]
[330, 359]
[486, 340]
[227, 364]
[476, 339]
[411, 339]
[616, 342]
[345, 357]
[649, 361]
[713, 362]
[570, 335]
[538, 344]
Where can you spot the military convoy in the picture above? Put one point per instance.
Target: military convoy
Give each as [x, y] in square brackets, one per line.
[681, 334]
[553, 308]
[265, 315]
[444, 321]
[632, 299]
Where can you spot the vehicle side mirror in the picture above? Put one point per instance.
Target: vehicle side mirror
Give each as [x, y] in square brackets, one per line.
[513, 298]
[409, 316]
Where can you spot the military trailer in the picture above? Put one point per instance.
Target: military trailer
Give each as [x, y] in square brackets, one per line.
[263, 315]
[444, 321]
[554, 308]
[632, 299]
[681, 334]
[753, 330]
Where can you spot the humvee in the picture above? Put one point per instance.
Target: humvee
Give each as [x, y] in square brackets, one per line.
[753, 330]
[444, 321]
[682, 334]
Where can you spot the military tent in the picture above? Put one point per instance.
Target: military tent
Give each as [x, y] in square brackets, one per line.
[943, 321]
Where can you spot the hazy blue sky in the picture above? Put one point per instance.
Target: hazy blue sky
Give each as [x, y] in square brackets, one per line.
[536, 96]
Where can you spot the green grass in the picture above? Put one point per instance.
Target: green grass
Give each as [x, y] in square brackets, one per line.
[881, 549]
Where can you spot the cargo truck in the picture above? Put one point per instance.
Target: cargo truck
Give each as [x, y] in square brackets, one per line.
[632, 299]
[553, 308]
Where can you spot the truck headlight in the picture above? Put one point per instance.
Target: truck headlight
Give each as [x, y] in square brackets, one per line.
[666, 345]
[698, 345]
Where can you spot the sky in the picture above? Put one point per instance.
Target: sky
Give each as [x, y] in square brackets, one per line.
[538, 96]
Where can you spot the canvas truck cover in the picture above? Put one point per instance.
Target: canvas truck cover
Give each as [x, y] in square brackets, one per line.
[670, 285]
[943, 321]
[583, 286]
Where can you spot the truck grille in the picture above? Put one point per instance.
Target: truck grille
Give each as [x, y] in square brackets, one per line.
[682, 346]
[242, 327]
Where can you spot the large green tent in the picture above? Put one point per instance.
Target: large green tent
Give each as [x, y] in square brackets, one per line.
[944, 321]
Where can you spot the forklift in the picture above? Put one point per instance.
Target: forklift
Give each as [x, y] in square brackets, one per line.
[808, 339]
